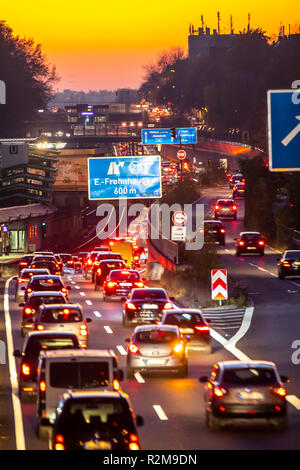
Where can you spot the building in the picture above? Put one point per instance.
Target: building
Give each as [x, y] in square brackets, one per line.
[25, 176]
[201, 43]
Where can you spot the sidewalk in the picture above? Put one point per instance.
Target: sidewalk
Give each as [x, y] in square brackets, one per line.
[5, 259]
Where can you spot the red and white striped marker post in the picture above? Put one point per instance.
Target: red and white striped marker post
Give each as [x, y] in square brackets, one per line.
[219, 285]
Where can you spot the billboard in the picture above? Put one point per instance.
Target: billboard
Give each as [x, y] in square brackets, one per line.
[184, 135]
[124, 177]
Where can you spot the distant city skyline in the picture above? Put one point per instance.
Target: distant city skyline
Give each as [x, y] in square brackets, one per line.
[104, 46]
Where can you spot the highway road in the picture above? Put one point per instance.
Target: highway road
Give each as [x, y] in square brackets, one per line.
[173, 408]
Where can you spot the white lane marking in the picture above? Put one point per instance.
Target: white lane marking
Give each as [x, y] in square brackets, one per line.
[108, 330]
[19, 429]
[77, 287]
[82, 294]
[140, 379]
[244, 326]
[293, 400]
[122, 350]
[73, 282]
[89, 302]
[97, 314]
[160, 412]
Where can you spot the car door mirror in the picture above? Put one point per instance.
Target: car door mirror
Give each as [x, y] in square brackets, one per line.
[203, 379]
[69, 287]
[139, 420]
[88, 320]
[22, 304]
[127, 340]
[23, 288]
[284, 379]
[172, 298]
[17, 353]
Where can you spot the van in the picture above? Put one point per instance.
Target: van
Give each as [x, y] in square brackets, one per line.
[126, 250]
[58, 371]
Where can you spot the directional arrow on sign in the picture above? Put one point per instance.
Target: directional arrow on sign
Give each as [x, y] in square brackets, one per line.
[292, 134]
[219, 284]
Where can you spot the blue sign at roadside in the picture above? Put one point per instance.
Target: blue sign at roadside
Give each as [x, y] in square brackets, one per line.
[124, 177]
[185, 135]
[284, 130]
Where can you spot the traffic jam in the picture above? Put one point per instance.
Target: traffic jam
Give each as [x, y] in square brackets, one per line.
[73, 392]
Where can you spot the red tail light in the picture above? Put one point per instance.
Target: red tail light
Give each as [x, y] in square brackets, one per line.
[280, 391]
[21, 280]
[25, 369]
[83, 330]
[131, 306]
[116, 385]
[217, 207]
[89, 262]
[59, 444]
[261, 242]
[40, 327]
[133, 348]
[29, 290]
[43, 386]
[202, 328]
[28, 311]
[111, 284]
[134, 442]
[241, 243]
[222, 230]
[286, 263]
[234, 207]
[139, 284]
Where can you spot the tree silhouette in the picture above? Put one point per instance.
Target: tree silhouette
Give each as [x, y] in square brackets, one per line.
[29, 80]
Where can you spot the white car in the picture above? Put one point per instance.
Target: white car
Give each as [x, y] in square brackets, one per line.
[24, 278]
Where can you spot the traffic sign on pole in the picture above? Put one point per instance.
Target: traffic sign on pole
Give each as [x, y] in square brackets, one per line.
[181, 154]
[219, 286]
[284, 130]
[179, 218]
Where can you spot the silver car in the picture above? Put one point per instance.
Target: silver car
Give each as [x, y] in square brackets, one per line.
[67, 317]
[158, 347]
[24, 278]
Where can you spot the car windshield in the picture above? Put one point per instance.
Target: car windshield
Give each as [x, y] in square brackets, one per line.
[36, 344]
[79, 375]
[249, 376]
[35, 301]
[250, 237]
[149, 294]
[293, 255]
[184, 319]
[65, 315]
[112, 265]
[225, 203]
[27, 274]
[156, 336]
[211, 226]
[108, 256]
[93, 411]
[66, 258]
[124, 276]
[46, 284]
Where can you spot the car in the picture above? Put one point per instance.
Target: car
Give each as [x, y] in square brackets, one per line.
[76, 263]
[102, 248]
[85, 369]
[25, 262]
[23, 280]
[225, 208]
[289, 264]
[236, 178]
[66, 257]
[244, 390]
[88, 264]
[192, 326]
[157, 347]
[44, 253]
[56, 317]
[120, 282]
[214, 232]
[95, 420]
[46, 283]
[34, 343]
[60, 263]
[239, 190]
[52, 266]
[104, 268]
[250, 242]
[32, 305]
[104, 255]
[145, 306]
[82, 256]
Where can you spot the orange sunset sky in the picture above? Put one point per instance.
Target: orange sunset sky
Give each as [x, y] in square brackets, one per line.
[104, 44]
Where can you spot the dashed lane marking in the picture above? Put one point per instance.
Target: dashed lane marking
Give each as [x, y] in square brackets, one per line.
[160, 412]
[108, 330]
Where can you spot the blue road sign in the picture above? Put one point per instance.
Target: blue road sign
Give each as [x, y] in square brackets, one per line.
[124, 177]
[188, 135]
[284, 130]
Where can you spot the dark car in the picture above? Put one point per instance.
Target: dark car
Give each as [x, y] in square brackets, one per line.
[104, 255]
[234, 179]
[76, 263]
[52, 266]
[225, 208]
[66, 257]
[32, 305]
[46, 283]
[214, 232]
[289, 264]
[34, 343]
[82, 256]
[88, 264]
[120, 282]
[104, 268]
[250, 242]
[192, 326]
[239, 190]
[244, 390]
[25, 262]
[95, 420]
[145, 306]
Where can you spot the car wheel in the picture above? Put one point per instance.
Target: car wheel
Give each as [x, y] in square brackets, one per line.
[281, 423]
[237, 253]
[213, 422]
[234, 217]
[183, 371]
[261, 253]
[222, 243]
[281, 276]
